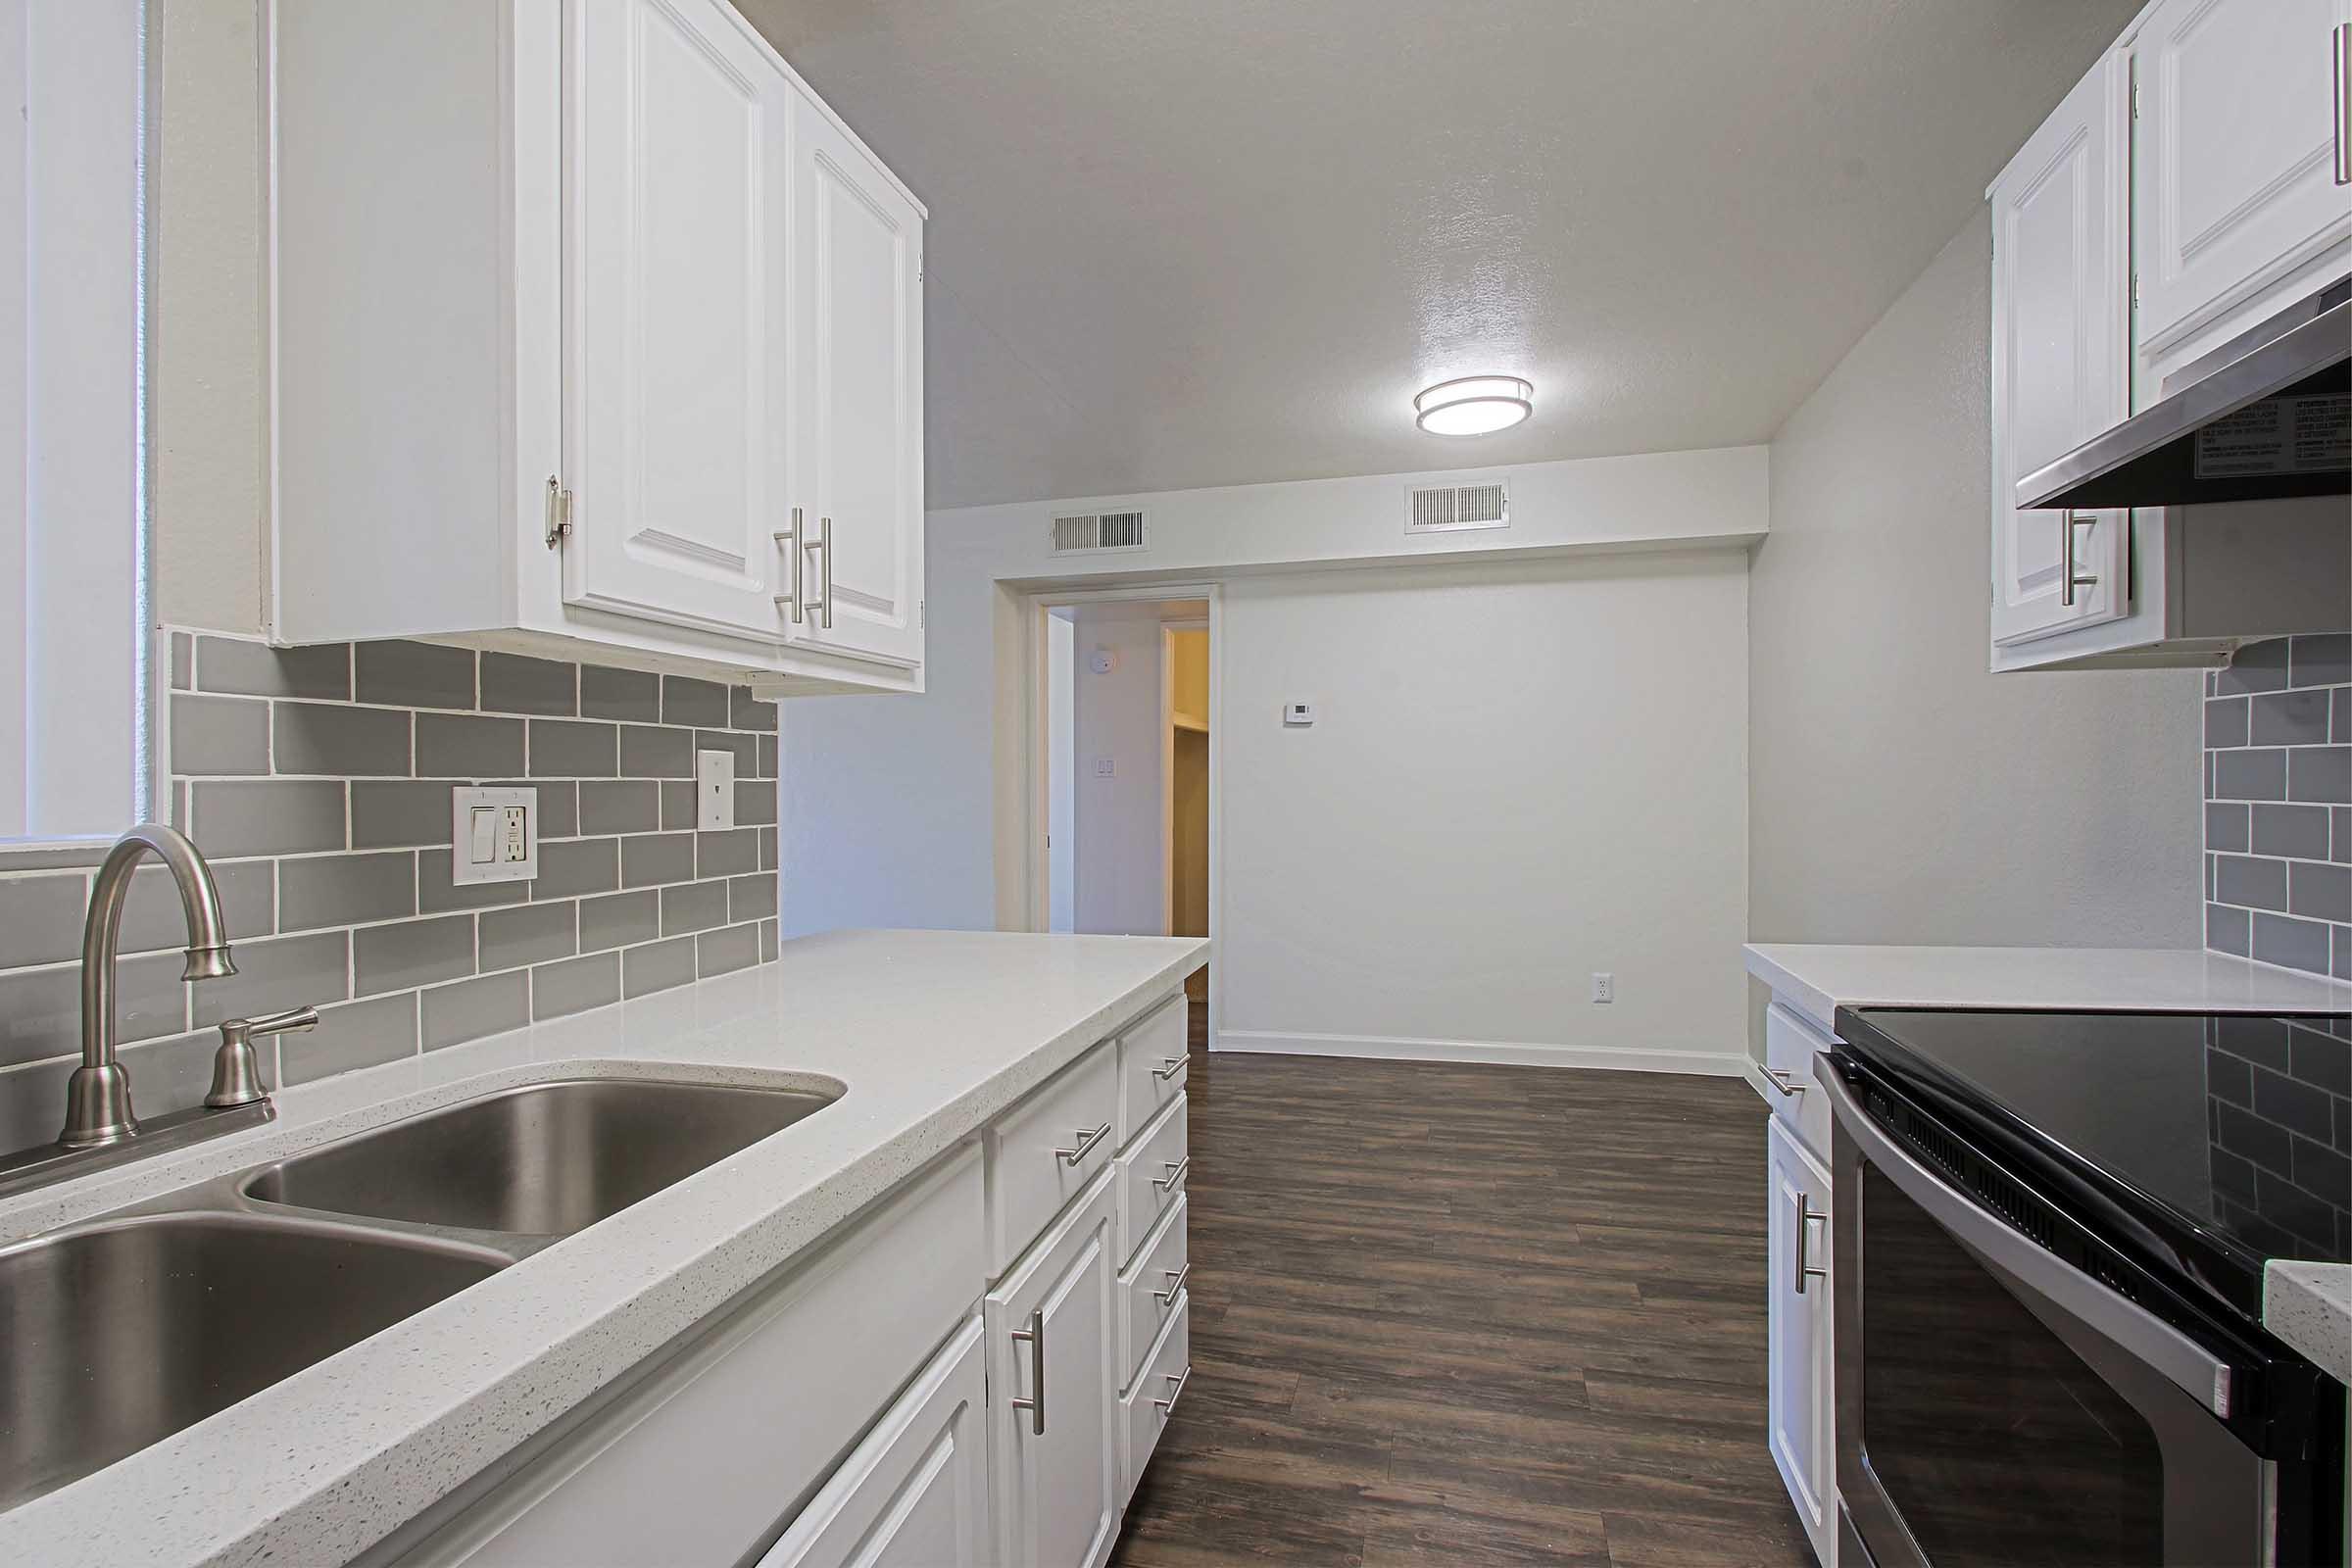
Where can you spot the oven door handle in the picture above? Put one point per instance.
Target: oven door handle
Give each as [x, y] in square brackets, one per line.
[2180, 1359]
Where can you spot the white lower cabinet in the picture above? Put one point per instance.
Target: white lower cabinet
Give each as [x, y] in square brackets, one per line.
[1798, 1425]
[1051, 1342]
[916, 1493]
[1148, 1288]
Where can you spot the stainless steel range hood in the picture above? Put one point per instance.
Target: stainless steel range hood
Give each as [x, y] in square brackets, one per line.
[2265, 415]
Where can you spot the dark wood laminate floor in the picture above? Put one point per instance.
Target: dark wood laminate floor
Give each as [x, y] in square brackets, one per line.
[1464, 1315]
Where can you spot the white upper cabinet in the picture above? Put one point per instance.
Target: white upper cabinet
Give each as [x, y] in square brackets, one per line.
[574, 305]
[2182, 193]
[676, 349]
[2058, 369]
[2237, 159]
[859, 425]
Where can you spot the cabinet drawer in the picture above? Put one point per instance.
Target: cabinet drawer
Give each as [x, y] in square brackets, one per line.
[1148, 1288]
[1789, 1046]
[1154, 1059]
[1144, 1409]
[1043, 1152]
[1151, 1176]
[916, 1493]
[699, 1462]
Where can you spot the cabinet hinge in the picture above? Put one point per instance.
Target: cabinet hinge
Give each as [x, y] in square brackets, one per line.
[558, 513]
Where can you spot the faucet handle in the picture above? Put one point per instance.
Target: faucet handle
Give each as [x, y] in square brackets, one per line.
[236, 1070]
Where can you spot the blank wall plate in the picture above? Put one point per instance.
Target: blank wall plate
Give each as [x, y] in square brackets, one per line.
[714, 790]
[493, 835]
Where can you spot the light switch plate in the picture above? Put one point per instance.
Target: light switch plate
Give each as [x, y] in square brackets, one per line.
[714, 790]
[493, 835]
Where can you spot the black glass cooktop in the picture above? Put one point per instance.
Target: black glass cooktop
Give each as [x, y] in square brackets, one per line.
[2224, 1140]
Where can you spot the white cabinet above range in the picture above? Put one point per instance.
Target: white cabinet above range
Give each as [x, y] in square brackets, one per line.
[2193, 185]
[594, 334]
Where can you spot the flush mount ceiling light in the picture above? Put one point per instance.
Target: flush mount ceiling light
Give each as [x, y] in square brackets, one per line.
[1474, 405]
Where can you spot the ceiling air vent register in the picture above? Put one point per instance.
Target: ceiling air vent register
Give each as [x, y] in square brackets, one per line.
[1449, 509]
[1094, 531]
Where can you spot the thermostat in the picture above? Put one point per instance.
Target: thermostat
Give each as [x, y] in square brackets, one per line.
[1297, 714]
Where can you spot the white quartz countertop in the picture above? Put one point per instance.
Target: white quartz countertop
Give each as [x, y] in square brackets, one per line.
[1819, 979]
[933, 1034]
[2309, 1305]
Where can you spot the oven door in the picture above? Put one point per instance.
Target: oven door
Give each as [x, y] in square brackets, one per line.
[1997, 1405]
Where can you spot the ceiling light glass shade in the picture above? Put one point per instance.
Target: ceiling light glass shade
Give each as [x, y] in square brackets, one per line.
[1475, 405]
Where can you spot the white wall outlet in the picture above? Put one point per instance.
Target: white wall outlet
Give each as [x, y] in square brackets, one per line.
[1106, 767]
[1297, 714]
[493, 835]
[1604, 986]
[714, 790]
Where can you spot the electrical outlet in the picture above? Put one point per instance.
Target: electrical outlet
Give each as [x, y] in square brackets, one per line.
[1106, 767]
[493, 835]
[1604, 986]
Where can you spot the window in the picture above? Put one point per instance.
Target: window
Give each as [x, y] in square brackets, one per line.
[73, 649]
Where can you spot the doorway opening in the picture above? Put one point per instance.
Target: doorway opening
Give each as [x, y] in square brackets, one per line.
[1127, 752]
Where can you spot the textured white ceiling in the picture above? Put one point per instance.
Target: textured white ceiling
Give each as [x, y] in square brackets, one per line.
[1199, 242]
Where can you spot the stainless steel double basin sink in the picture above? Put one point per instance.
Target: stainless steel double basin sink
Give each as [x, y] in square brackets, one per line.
[118, 1332]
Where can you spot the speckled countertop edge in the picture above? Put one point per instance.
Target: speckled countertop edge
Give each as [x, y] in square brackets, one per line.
[933, 1033]
[2309, 1305]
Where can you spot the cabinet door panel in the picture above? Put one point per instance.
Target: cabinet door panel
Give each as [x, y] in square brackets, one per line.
[861, 293]
[678, 148]
[1057, 1490]
[916, 1493]
[1800, 1407]
[2059, 365]
[2236, 155]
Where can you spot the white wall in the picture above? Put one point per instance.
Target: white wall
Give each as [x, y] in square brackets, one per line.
[911, 810]
[1121, 868]
[1898, 792]
[1518, 776]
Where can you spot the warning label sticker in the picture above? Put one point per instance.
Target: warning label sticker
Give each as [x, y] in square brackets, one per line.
[2280, 435]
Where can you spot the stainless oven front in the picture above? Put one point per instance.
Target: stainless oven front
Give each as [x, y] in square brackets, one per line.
[1996, 1404]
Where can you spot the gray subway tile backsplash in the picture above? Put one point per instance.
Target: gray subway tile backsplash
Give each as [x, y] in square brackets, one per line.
[471, 1009]
[256, 669]
[512, 683]
[563, 748]
[220, 735]
[316, 780]
[575, 985]
[323, 890]
[627, 694]
[414, 674]
[462, 746]
[687, 700]
[2278, 737]
[233, 818]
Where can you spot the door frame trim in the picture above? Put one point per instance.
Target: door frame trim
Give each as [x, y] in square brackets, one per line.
[1036, 864]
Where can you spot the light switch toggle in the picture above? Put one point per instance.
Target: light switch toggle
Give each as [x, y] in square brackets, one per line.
[482, 845]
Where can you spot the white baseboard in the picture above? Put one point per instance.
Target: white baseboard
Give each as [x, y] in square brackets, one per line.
[1710, 1063]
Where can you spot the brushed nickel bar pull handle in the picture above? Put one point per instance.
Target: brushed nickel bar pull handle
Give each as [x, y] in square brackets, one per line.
[2344, 104]
[1086, 1144]
[1034, 1336]
[823, 545]
[1175, 1278]
[1167, 1406]
[2069, 579]
[1176, 1171]
[1804, 1217]
[1169, 1068]
[1780, 1081]
[790, 541]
